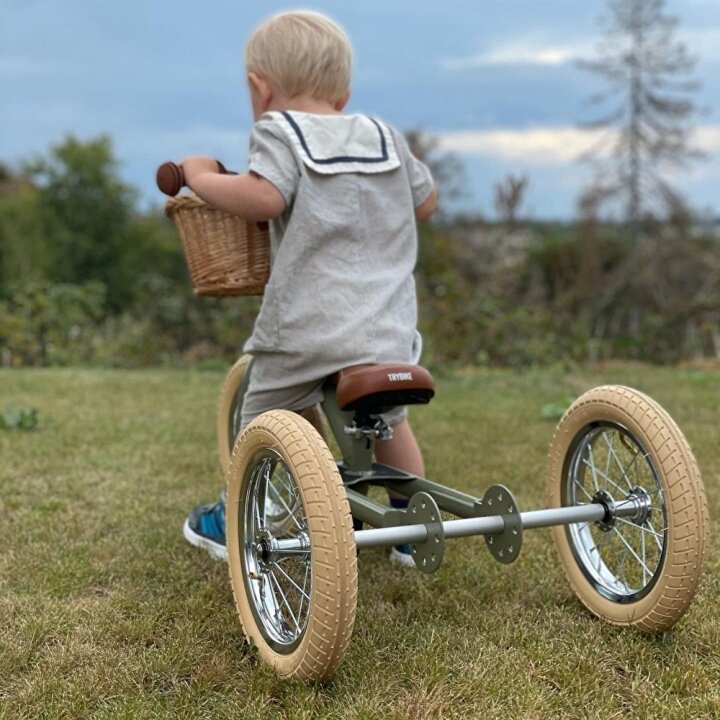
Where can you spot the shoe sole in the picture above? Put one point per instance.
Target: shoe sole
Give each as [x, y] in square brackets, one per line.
[215, 550]
[402, 559]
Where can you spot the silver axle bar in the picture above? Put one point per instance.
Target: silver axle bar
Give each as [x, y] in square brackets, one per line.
[493, 525]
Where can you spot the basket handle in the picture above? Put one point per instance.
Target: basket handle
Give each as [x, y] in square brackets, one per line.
[170, 177]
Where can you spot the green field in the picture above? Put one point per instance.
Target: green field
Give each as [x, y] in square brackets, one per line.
[106, 612]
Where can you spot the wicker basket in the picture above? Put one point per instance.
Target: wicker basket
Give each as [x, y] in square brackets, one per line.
[225, 254]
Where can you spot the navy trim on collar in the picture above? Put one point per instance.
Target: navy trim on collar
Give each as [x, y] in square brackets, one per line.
[342, 158]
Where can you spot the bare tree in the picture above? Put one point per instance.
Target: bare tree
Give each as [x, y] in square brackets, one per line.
[509, 197]
[446, 168]
[648, 110]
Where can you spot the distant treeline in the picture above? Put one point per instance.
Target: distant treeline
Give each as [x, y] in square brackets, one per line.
[86, 278]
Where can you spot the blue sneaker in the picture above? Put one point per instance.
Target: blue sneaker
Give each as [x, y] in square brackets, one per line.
[205, 528]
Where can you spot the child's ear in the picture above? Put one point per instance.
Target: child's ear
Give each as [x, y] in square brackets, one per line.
[342, 102]
[260, 88]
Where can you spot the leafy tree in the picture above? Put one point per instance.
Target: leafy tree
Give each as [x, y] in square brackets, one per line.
[648, 110]
[87, 213]
[24, 254]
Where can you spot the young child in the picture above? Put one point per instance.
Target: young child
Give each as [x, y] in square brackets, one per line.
[342, 193]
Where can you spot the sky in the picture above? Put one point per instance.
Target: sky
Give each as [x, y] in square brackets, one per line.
[496, 81]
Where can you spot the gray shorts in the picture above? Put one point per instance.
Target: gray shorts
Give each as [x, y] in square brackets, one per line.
[260, 398]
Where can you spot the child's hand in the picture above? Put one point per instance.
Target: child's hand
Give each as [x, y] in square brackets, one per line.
[195, 166]
[249, 196]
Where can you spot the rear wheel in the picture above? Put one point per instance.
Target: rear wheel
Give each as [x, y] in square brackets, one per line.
[618, 447]
[295, 586]
[230, 409]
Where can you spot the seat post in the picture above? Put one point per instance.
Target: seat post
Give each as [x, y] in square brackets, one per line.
[357, 452]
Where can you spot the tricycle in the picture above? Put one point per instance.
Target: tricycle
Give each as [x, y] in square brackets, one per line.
[625, 501]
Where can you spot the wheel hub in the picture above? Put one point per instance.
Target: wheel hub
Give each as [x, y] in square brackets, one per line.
[638, 497]
[265, 547]
[643, 505]
[267, 550]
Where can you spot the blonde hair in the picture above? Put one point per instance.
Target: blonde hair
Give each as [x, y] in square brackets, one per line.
[303, 52]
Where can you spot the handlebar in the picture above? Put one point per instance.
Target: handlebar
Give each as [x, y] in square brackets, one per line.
[170, 177]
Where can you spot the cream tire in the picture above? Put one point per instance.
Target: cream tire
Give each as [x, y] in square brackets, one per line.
[298, 609]
[617, 444]
[230, 409]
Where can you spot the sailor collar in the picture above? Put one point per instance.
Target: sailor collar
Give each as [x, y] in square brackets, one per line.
[331, 144]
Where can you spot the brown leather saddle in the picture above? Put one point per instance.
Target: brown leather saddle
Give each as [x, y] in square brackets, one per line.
[372, 389]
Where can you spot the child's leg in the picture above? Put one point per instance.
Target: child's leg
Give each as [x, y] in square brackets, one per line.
[401, 452]
[313, 415]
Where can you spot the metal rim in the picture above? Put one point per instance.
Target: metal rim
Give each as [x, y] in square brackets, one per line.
[278, 579]
[622, 557]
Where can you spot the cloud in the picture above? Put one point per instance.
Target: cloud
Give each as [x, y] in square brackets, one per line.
[521, 52]
[538, 146]
[703, 42]
[560, 145]
[707, 138]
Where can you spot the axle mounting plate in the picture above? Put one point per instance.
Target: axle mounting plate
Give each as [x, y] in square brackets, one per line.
[504, 546]
[423, 510]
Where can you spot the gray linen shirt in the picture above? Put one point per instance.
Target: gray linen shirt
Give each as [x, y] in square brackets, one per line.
[341, 290]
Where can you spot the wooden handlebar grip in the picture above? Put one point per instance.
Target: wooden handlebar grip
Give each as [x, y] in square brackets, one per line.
[170, 178]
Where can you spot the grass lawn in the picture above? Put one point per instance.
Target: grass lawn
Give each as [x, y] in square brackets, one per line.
[106, 612]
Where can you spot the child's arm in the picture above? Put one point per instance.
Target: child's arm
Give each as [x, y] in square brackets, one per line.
[248, 196]
[426, 208]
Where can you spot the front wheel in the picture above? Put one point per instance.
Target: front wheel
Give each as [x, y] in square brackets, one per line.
[295, 585]
[618, 447]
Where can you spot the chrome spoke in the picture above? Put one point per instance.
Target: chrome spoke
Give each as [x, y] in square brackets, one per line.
[608, 479]
[630, 549]
[657, 535]
[279, 496]
[616, 465]
[613, 454]
[293, 583]
[262, 492]
[607, 460]
[591, 465]
[269, 597]
[284, 481]
[277, 559]
[596, 549]
[585, 492]
[634, 460]
[285, 601]
[304, 595]
[258, 520]
[640, 527]
[622, 573]
[644, 556]
[299, 554]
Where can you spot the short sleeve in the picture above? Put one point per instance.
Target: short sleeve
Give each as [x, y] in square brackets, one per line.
[271, 157]
[421, 180]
